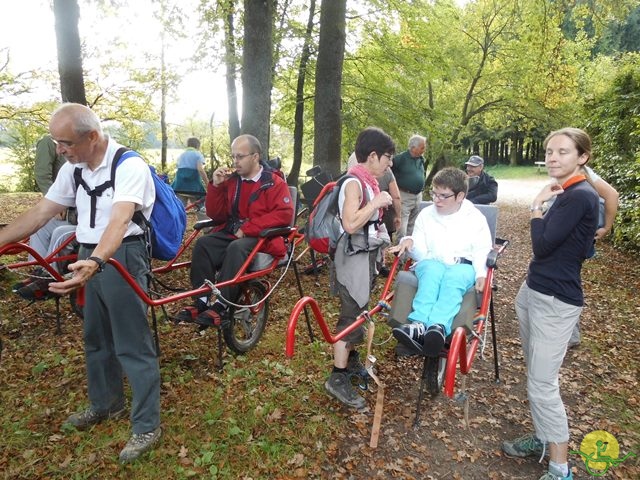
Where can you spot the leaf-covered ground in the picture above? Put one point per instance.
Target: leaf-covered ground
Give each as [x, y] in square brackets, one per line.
[266, 417]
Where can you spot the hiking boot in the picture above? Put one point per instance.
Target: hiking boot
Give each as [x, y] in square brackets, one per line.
[209, 318]
[33, 276]
[357, 372]
[38, 289]
[433, 341]
[553, 474]
[411, 336]
[89, 417]
[339, 386]
[384, 271]
[138, 444]
[189, 314]
[526, 446]
[354, 365]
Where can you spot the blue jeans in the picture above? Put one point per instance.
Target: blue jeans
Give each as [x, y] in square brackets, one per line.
[440, 291]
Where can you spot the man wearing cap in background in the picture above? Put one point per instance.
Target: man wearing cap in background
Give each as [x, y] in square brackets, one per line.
[483, 188]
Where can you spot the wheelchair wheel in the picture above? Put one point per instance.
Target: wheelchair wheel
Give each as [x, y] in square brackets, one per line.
[75, 306]
[435, 374]
[246, 324]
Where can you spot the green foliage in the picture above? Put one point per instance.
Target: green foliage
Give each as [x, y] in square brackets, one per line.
[614, 124]
[24, 134]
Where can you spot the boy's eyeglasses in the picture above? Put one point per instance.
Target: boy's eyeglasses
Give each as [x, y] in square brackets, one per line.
[440, 196]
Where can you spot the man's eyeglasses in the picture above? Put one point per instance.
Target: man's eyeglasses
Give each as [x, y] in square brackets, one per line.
[441, 196]
[388, 155]
[240, 156]
[64, 143]
[69, 143]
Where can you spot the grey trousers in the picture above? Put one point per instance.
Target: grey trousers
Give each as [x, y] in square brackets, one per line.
[546, 324]
[44, 242]
[410, 210]
[118, 340]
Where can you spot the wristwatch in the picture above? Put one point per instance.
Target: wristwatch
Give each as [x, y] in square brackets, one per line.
[533, 208]
[101, 263]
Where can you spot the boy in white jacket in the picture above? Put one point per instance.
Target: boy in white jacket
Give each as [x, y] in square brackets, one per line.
[450, 244]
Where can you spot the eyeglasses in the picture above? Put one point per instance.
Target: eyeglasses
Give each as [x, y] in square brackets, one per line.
[441, 196]
[239, 156]
[388, 155]
[69, 143]
[65, 143]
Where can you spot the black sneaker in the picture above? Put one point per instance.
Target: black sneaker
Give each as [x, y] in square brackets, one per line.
[339, 386]
[433, 341]
[140, 443]
[402, 351]
[410, 335]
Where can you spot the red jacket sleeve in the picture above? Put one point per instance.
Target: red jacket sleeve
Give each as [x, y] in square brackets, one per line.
[216, 202]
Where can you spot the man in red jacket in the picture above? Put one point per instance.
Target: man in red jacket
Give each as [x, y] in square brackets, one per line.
[245, 200]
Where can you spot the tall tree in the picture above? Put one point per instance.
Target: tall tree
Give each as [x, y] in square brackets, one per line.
[328, 115]
[257, 69]
[169, 18]
[67, 15]
[230, 62]
[298, 128]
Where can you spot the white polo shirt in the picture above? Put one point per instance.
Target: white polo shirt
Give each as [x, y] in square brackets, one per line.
[133, 184]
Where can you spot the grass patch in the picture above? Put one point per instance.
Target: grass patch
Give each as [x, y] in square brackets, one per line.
[521, 172]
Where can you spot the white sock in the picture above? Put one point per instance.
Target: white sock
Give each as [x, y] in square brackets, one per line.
[562, 468]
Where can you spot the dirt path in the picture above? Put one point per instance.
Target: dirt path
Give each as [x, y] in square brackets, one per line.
[444, 446]
[520, 191]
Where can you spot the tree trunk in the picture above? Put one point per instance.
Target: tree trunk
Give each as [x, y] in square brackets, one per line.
[163, 107]
[230, 75]
[67, 14]
[257, 65]
[513, 153]
[328, 115]
[298, 128]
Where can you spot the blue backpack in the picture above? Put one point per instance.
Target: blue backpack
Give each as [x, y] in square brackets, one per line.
[168, 220]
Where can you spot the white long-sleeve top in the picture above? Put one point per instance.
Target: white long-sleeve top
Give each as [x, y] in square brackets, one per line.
[463, 234]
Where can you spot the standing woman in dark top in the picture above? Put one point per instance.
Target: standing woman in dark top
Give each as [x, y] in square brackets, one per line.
[549, 302]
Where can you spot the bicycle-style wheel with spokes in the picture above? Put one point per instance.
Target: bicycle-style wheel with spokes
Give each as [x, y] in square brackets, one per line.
[246, 324]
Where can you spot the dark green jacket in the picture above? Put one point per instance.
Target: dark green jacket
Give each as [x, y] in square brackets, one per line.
[409, 172]
[48, 162]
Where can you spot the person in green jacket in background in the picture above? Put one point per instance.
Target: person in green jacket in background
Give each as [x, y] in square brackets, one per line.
[409, 168]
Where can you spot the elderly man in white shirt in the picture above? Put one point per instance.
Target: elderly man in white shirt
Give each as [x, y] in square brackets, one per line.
[450, 244]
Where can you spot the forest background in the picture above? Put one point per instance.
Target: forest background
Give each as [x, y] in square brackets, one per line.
[491, 77]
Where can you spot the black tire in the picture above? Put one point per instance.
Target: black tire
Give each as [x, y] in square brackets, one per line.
[75, 308]
[246, 325]
[436, 367]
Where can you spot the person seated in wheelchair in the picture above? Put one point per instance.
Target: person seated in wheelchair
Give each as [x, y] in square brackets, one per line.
[55, 232]
[449, 245]
[243, 201]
